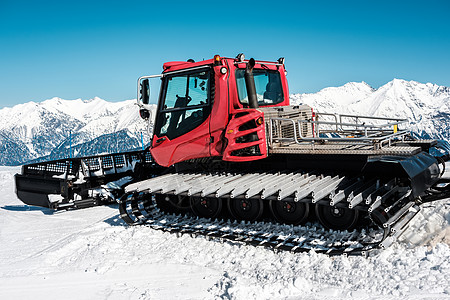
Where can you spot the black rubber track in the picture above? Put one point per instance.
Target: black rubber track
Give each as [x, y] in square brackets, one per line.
[140, 209]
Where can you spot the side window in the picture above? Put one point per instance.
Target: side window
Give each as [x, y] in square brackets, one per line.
[185, 105]
[268, 86]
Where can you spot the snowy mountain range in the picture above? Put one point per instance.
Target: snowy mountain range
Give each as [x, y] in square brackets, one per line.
[426, 106]
[47, 130]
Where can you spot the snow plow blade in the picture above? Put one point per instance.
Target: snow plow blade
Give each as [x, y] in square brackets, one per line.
[34, 191]
[80, 182]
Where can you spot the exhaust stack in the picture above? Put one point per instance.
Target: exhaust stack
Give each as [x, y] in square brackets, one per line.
[250, 84]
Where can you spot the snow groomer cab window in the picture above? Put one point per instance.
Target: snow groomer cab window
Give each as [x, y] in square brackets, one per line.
[185, 102]
[269, 90]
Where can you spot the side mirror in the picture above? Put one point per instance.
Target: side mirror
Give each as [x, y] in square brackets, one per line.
[145, 91]
[144, 113]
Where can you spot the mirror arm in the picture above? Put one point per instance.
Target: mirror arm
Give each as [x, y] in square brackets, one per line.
[143, 89]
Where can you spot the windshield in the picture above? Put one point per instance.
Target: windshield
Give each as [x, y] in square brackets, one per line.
[185, 104]
[268, 86]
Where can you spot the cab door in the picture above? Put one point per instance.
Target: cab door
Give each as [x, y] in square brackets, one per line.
[182, 123]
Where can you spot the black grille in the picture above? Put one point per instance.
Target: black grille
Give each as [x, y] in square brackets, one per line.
[119, 160]
[107, 162]
[92, 163]
[249, 151]
[57, 167]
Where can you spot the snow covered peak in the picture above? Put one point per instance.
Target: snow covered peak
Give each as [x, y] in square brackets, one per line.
[427, 106]
[39, 128]
[86, 110]
[350, 88]
[408, 99]
[360, 97]
[335, 98]
[358, 86]
[94, 99]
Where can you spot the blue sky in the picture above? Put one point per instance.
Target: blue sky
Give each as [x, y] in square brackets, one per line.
[82, 49]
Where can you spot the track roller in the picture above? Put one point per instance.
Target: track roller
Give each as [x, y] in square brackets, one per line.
[289, 212]
[338, 218]
[250, 209]
[206, 207]
[172, 203]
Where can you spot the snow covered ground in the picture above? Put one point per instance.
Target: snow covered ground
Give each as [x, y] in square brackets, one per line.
[92, 254]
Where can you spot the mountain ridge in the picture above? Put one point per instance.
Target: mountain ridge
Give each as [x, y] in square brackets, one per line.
[48, 129]
[427, 106]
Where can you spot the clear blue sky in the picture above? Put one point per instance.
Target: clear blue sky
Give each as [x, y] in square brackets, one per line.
[82, 49]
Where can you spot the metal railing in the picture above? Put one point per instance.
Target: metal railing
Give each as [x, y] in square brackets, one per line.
[347, 129]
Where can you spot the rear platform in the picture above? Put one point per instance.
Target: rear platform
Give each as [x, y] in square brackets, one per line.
[298, 130]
